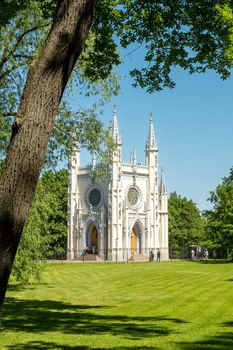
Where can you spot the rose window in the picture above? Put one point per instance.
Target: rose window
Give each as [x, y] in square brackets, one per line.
[94, 197]
[133, 196]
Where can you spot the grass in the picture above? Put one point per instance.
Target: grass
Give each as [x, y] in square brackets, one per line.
[157, 306]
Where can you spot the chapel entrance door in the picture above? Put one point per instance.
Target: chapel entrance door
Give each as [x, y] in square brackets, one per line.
[133, 242]
[94, 240]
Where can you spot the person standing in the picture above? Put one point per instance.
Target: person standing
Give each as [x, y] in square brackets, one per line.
[93, 249]
[151, 256]
[192, 254]
[206, 254]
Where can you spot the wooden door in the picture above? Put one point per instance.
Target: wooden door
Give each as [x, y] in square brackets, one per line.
[94, 238]
[133, 242]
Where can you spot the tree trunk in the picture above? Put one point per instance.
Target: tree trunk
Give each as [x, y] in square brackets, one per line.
[33, 124]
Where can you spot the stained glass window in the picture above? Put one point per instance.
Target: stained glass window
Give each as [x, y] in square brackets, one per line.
[133, 196]
[94, 197]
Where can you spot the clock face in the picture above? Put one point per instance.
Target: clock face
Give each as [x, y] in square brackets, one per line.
[133, 196]
[94, 197]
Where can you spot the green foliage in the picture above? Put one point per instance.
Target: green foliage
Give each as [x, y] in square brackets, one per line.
[226, 16]
[55, 184]
[185, 223]
[219, 228]
[9, 9]
[34, 243]
[46, 229]
[78, 127]
[190, 34]
[195, 35]
[22, 36]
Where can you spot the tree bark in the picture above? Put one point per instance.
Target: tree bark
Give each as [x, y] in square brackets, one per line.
[33, 124]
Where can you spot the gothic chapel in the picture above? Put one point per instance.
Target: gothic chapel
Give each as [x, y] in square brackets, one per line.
[122, 217]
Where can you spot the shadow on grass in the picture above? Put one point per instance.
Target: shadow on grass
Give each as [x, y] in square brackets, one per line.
[223, 341]
[17, 287]
[46, 345]
[220, 341]
[48, 316]
[213, 261]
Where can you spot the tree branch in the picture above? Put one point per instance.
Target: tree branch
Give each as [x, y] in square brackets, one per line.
[19, 39]
[29, 57]
[64, 130]
[16, 84]
[132, 51]
[8, 71]
[8, 114]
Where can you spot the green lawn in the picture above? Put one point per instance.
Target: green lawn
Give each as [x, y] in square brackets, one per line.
[179, 305]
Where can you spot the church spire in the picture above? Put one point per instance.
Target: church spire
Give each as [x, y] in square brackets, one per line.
[151, 139]
[94, 160]
[115, 130]
[162, 186]
[134, 157]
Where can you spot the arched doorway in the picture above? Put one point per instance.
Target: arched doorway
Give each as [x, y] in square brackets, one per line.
[92, 239]
[133, 242]
[136, 239]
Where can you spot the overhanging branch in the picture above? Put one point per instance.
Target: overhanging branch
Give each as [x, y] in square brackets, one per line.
[19, 39]
[8, 114]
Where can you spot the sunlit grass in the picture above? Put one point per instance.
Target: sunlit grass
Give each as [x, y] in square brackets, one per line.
[180, 305]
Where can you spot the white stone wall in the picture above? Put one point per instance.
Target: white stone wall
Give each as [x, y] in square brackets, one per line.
[115, 217]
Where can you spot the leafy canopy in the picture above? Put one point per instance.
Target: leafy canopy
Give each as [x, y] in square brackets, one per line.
[219, 230]
[185, 223]
[45, 233]
[194, 35]
[22, 35]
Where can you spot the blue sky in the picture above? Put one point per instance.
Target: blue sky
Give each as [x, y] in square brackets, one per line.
[194, 129]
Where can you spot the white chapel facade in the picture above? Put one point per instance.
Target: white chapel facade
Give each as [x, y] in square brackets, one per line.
[122, 217]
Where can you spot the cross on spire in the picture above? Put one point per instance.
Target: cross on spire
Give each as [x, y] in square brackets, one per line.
[151, 139]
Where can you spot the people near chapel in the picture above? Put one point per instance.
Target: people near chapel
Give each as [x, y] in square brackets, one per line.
[86, 250]
[151, 257]
[158, 255]
[206, 254]
[93, 249]
[193, 255]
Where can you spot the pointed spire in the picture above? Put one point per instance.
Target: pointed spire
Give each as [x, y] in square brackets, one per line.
[131, 158]
[75, 151]
[151, 140]
[115, 130]
[162, 186]
[75, 143]
[134, 157]
[94, 160]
